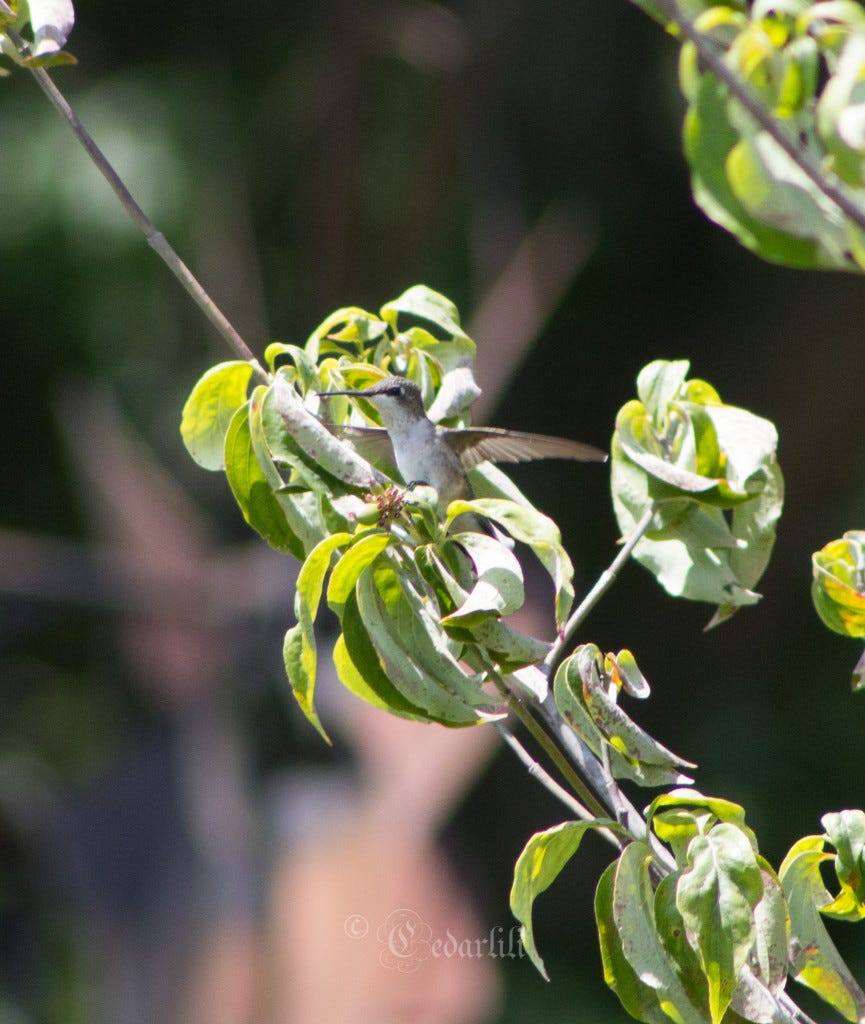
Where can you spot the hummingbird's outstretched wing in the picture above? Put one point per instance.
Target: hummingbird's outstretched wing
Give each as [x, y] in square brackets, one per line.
[490, 444]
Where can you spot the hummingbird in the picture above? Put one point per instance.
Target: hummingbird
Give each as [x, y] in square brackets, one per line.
[426, 453]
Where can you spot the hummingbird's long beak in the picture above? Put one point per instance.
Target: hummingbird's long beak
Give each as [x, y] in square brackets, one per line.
[350, 393]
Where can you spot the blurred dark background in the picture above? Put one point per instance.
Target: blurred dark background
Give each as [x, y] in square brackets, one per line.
[302, 157]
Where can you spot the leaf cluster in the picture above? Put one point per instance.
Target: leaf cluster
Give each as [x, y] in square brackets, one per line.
[715, 938]
[421, 602]
[801, 64]
[710, 472]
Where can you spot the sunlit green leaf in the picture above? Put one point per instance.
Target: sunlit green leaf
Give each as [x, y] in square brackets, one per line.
[709, 139]
[458, 389]
[278, 352]
[580, 690]
[360, 670]
[429, 305]
[841, 113]
[284, 411]
[507, 647]
[251, 489]
[766, 967]
[658, 461]
[208, 411]
[676, 817]
[498, 588]
[301, 656]
[716, 895]
[674, 936]
[659, 383]
[634, 919]
[537, 867]
[772, 188]
[625, 669]
[301, 508]
[838, 588]
[846, 831]
[642, 758]
[488, 481]
[405, 647]
[641, 1000]
[338, 322]
[531, 527]
[360, 554]
[815, 960]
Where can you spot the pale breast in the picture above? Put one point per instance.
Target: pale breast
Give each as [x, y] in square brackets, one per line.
[422, 456]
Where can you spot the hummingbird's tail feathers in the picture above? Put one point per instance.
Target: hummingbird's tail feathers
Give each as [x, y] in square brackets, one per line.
[490, 444]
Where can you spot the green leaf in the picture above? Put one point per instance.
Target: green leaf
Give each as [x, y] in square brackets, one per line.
[692, 549]
[283, 411]
[634, 920]
[659, 384]
[251, 489]
[841, 113]
[748, 442]
[488, 481]
[838, 588]
[709, 139]
[531, 527]
[626, 669]
[766, 968]
[458, 389]
[417, 663]
[361, 328]
[716, 895]
[692, 443]
[567, 692]
[498, 588]
[340, 324]
[676, 817]
[307, 370]
[537, 867]
[294, 655]
[641, 1001]
[773, 188]
[209, 409]
[815, 961]
[580, 690]
[362, 552]
[754, 527]
[506, 646]
[427, 304]
[300, 651]
[846, 831]
[361, 672]
[674, 937]
[302, 511]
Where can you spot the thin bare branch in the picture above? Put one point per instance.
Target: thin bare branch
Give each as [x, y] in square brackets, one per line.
[155, 239]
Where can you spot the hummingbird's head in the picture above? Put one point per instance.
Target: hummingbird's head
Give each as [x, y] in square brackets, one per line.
[397, 400]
